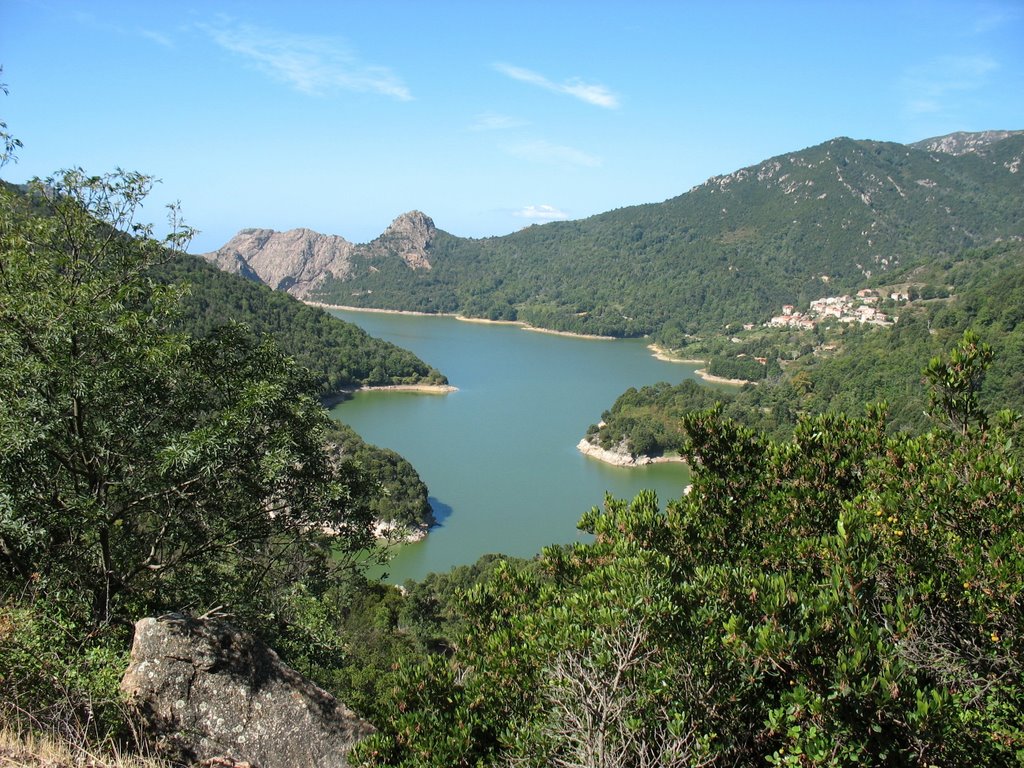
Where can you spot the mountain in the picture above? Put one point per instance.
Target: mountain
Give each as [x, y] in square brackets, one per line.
[300, 260]
[820, 221]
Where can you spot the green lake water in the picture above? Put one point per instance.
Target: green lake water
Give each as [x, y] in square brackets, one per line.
[499, 455]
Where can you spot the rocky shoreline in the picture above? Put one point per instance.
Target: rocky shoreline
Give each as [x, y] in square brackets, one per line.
[621, 457]
[660, 353]
[427, 389]
[397, 533]
[462, 318]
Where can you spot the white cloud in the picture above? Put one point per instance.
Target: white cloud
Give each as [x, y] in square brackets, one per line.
[591, 93]
[541, 213]
[931, 87]
[545, 152]
[308, 63]
[493, 121]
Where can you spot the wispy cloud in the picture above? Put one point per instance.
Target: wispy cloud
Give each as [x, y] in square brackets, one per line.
[541, 213]
[931, 87]
[308, 63]
[94, 22]
[591, 93]
[542, 151]
[493, 121]
[995, 18]
[157, 37]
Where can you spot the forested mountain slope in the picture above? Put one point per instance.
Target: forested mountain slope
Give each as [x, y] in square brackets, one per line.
[796, 227]
[341, 354]
[843, 366]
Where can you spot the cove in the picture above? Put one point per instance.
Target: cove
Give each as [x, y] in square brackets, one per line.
[499, 455]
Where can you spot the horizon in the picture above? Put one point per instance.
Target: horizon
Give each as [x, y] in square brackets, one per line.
[487, 117]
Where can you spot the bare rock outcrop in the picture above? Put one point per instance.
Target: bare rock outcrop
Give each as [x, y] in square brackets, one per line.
[408, 237]
[619, 456]
[296, 261]
[962, 142]
[300, 260]
[206, 691]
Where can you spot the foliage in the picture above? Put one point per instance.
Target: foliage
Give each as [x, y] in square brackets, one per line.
[9, 144]
[955, 383]
[650, 419]
[844, 597]
[141, 469]
[352, 636]
[742, 368]
[400, 495]
[58, 676]
[843, 366]
[340, 354]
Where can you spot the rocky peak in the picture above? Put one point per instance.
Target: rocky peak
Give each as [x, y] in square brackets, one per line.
[300, 260]
[296, 261]
[962, 142]
[408, 236]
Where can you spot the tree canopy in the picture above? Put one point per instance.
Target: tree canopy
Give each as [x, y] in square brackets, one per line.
[141, 468]
[845, 597]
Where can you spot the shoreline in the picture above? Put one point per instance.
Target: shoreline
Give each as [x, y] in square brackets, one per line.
[423, 389]
[618, 459]
[722, 380]
[322, 305]
[461, 318]
[660, 353]
[395, 533]
[427, 389]
[571, 334]
[339, 396]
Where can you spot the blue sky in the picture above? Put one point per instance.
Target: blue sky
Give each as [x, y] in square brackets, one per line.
[487, 116]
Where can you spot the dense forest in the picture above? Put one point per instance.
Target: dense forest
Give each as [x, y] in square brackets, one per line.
[144, 469]
[341, 354]
[821, 221]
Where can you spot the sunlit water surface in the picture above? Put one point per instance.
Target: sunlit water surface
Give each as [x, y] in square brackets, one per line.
[499, 455]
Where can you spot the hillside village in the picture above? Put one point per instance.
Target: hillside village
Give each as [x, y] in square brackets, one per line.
[846, 309]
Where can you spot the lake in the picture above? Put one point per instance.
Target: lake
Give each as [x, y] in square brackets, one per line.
[499, 455]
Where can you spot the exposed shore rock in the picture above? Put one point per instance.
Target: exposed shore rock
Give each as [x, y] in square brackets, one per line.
[621, 457]
[618, 456]
[397, 533]
[207, 691]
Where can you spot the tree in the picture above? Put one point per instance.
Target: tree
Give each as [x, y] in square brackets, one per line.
[141, 469]
[956, 383]
[9, 144]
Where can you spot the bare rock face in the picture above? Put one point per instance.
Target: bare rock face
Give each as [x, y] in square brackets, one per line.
[207, 691]
[300, 260]
[409, 237]
[295, 261]
[961, 143]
